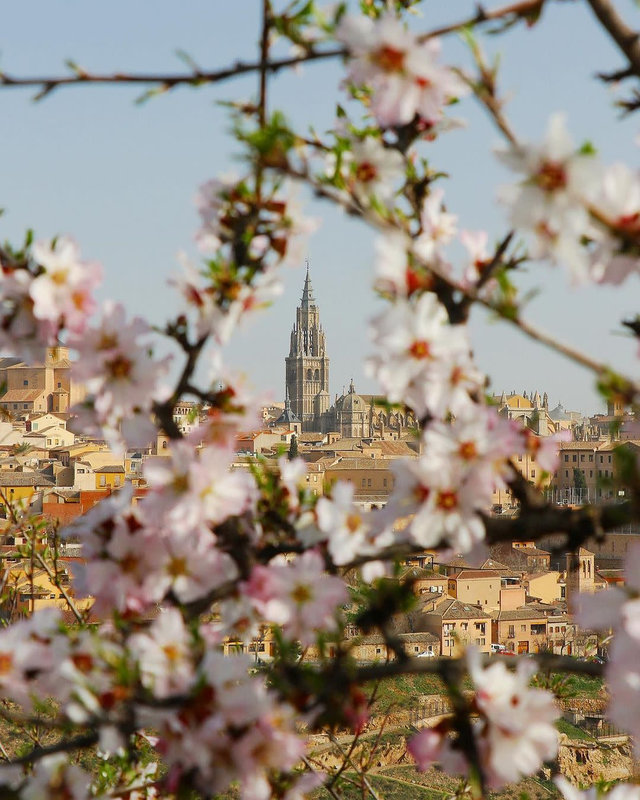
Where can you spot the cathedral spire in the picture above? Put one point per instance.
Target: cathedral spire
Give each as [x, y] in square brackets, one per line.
[307, 293]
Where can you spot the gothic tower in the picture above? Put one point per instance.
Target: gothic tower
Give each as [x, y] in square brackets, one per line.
[307, 366]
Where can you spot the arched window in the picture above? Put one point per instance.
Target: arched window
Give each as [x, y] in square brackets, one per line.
[309, 375]
[316, 375]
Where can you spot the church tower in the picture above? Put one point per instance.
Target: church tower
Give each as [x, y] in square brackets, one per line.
[307, 366]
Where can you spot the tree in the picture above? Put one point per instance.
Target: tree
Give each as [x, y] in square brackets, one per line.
[226, 554]
[293, 448]
[579, 480]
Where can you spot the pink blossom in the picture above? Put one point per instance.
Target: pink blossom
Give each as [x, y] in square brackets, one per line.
[62, 294]
[410, 337]
[164, 655]
[550, 201]
[298, 595]
[54, 776]
[437, 226]
[404, 75]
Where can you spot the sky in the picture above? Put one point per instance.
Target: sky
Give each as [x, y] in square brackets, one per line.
[121, 177]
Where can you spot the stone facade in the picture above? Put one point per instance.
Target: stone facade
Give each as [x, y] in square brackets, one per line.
[307, 386]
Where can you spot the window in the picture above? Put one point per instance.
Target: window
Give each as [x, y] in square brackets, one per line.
[59, 384]
[512, 631]
[384, 482]
[25, 383]
[519, 458]
[103, 480]
[609, 460]
[480, 641]
[363, 482]
[590, 456]
[575, 458]
[369, 483]
[591, 473]
[533, 473]
[378, 650]
[582, 457]
[25, 405]
[566, 473]
[523, 627]
[566, 457]
[117, 481]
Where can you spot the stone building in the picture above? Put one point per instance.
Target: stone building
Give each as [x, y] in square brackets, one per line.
[307, 386]
[39, 388]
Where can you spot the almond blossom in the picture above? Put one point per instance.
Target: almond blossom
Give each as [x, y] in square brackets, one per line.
[122, 378]
[403, 74]
[551, 200]
[348, 531]
[230, 729]
[621, 791]
[410, 338]
[437, 226]
[164, 655]
[618, 610]
[514, 732]
[191, 488]
[617, 208]
[299, 595]
[370, 170]
[62, 293]
[54, 776]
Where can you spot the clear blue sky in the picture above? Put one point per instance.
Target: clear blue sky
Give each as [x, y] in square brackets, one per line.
[121, 178]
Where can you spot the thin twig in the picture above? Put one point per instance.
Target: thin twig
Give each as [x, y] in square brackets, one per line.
[197, 77]
[625, 37]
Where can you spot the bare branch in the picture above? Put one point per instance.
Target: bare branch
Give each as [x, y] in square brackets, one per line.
[627, 39]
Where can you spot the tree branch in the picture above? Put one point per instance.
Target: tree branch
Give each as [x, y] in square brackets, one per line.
[627, 39]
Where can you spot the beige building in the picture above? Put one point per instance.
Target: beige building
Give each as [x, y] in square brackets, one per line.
[39, 388]
[521, 630]
[456, 625]
[371, 478]
[478, 587]
[544, 586]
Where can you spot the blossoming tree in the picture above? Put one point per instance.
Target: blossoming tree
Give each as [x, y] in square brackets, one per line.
[222, 554]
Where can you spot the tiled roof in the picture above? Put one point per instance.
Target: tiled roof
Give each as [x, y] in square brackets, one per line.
[21, 395]
[456, 609]
[476, 573]
[531, 551]
[518, 613]
[11, 478]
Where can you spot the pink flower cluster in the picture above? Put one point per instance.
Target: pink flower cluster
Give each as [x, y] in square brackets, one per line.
[137, 556]
[54, 294]
[403, 74]
[514, 731]
[230, 727]
[568, 200]
[298, 595]
[617, 611]
[123, 380]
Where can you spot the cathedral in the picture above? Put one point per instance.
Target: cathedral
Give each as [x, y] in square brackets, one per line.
[307, 387]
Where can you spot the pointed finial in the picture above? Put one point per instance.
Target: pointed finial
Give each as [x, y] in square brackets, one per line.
[307, 293]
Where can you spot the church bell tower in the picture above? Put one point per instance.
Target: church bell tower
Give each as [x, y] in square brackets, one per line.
[307, 365]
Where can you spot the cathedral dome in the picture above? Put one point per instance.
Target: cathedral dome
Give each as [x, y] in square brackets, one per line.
[352, 402]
